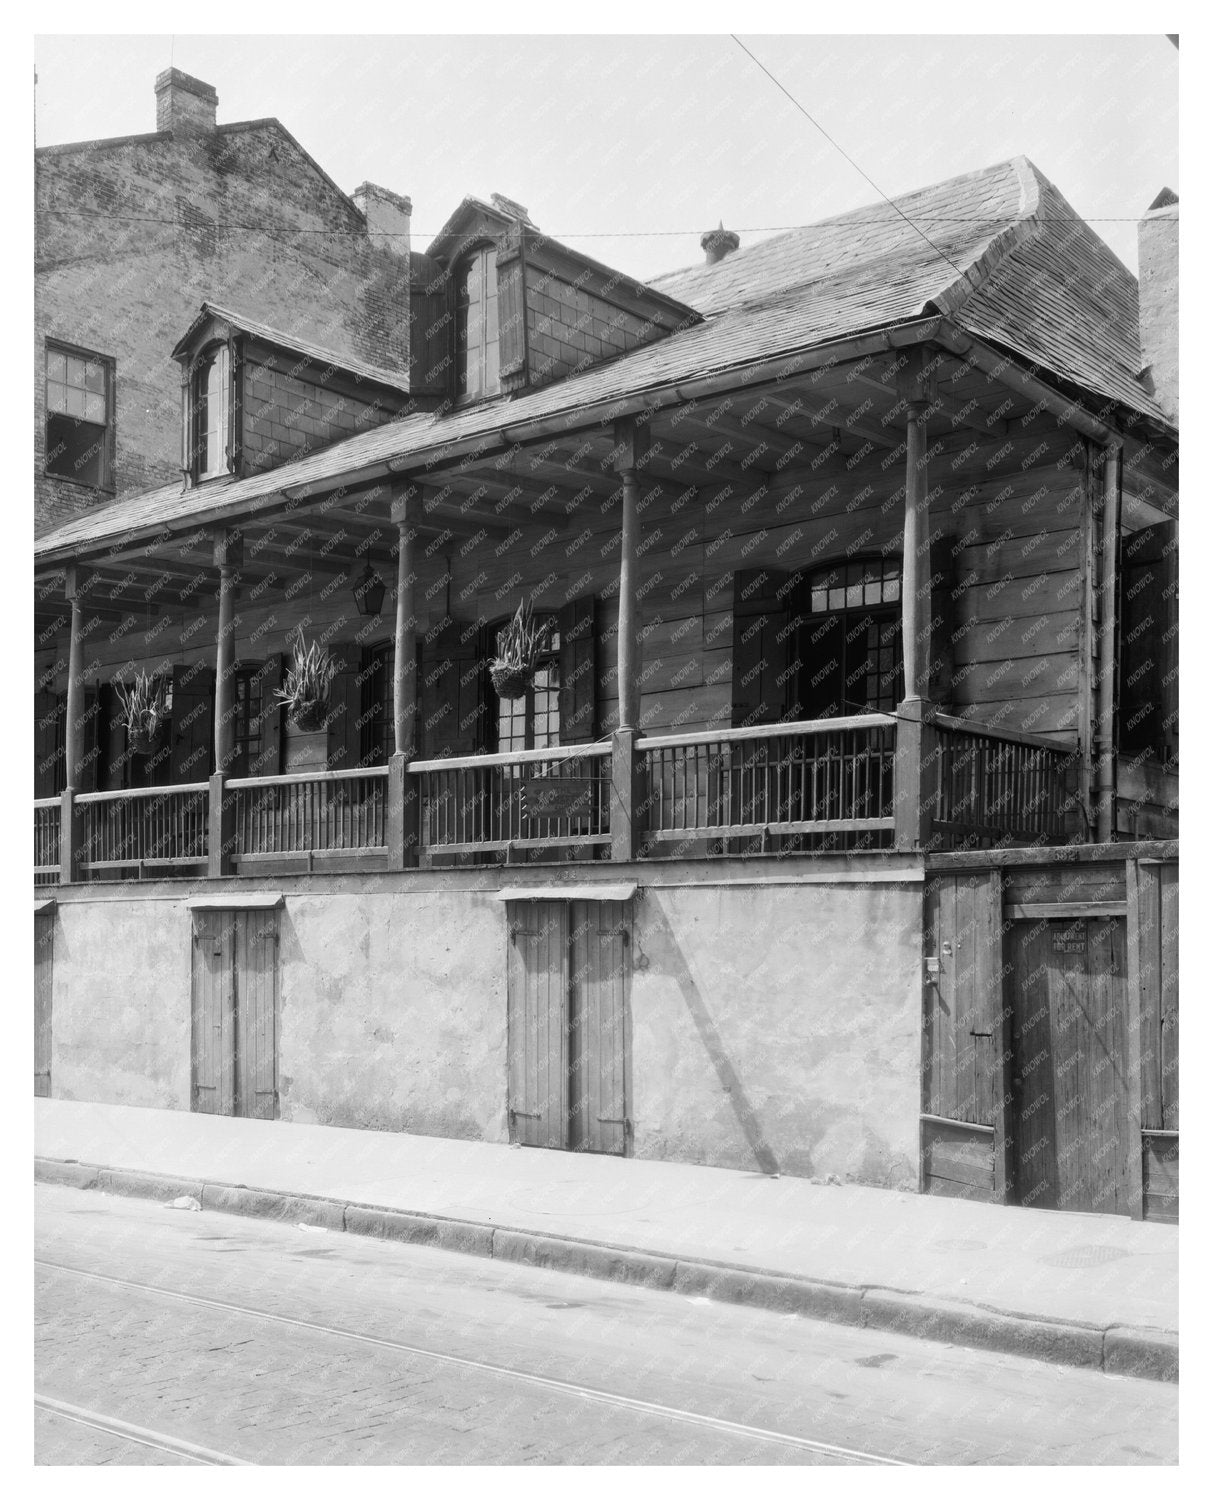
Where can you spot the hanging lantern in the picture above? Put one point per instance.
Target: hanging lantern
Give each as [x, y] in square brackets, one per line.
[369, 592]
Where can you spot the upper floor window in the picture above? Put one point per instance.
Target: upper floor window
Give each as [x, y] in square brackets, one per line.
[79, 416]
[850, 639]
[210, 405]
[532, 721]
[477, 363]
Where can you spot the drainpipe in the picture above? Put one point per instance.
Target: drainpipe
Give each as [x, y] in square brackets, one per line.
[1109, 536]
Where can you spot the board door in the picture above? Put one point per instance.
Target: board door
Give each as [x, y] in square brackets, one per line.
[537, 986]
[44, 953]
[1069, 1085]
[255, 970]
[600, 950]
[213, 1017]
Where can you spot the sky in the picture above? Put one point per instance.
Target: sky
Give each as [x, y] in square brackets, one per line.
[630, 147]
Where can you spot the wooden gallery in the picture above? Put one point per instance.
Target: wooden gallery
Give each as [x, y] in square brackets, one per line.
[730, 719]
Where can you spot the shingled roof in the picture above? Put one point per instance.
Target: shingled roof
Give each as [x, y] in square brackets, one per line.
[1008, 260]
[1005, 256]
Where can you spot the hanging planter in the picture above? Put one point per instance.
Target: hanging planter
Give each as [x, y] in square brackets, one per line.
[520, 644]
[305, 689]
[145, 711]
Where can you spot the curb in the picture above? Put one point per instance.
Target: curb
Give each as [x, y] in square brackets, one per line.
[1143, 1353]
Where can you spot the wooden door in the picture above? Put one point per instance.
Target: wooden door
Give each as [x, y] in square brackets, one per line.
[599, 950]
[44, 952]
[537, 991]
[962, 1126]
[234, 1013]
[1070, 1089]
[255, 968]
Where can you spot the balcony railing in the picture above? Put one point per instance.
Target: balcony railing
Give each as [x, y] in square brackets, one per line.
[321, 812]
[824, 782]
[532, 799]
[995, 786]
[46, 840]
[161, 829]
[832, 784]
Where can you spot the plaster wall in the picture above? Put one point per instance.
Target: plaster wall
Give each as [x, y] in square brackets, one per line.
[774, 1027]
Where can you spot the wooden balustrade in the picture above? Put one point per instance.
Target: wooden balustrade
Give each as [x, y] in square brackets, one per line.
[996, 786]
[558, 798]
[320, 812]
[810, 785]
[159, 828]
[821, 781]
[46, 840]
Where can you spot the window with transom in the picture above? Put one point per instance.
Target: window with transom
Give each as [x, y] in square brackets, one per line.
[79, 417]
[850, 639]
[532, 721]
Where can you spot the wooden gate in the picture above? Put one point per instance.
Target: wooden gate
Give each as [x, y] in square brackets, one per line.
[568, 1029]
[1154, 904]
[234, 1013]
[1069, 1084]
[44, 958]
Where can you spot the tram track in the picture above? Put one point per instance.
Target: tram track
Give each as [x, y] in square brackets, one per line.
[721, 1425]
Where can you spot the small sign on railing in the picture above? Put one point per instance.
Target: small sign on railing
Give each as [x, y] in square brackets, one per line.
[558, 797]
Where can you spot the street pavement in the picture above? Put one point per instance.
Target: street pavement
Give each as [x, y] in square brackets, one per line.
[177, 1337]
[1086, 1289]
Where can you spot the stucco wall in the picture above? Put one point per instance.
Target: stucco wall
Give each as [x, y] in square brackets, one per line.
[120, 1003]
[773, 1026]
[777, 1028]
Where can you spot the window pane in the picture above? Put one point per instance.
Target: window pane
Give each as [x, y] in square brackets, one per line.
[56, 398]
[56, 365]
[94, 407]
[871, 592]
[837, 598]
[94, 377]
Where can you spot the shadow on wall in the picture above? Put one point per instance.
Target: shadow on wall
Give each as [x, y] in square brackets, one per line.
[677, 969]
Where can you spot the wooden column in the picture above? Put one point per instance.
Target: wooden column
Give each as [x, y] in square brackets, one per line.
[627, 768]
[1105, 800]
[915, 762]
[222, 829]
[404, 804]
[73, 732]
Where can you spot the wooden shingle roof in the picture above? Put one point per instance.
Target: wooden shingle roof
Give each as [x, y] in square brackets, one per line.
[1008, 260]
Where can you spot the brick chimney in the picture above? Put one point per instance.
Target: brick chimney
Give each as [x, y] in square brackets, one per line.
[718, 243]
[1158, 300]
[184, 103]
[388, 216]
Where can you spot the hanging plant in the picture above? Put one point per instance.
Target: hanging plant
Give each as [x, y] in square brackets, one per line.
[145, 710]
[305, 688]
[520, 644]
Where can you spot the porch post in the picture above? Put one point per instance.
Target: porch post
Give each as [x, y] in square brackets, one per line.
[403, 806]
[222, 803]
[73, 750]
[627, 766]
[914, 761]
[1105, 813]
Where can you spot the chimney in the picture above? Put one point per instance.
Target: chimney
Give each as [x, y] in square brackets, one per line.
[1158, 300]
[388, 216]
[718, 243]
[184, 103]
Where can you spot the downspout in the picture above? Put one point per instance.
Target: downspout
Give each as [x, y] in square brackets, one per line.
[1109, 537]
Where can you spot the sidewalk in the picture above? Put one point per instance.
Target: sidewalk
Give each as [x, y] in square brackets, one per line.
[1075, 1289]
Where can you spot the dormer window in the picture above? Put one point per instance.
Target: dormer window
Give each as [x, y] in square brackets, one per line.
[477, 362]
[208, 415]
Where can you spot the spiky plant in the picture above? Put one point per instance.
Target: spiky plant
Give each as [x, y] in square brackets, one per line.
[145, 710]
[520, 644]
[305, 687]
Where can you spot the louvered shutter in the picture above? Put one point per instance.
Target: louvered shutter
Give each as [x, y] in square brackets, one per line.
[193, 715]
[430, 341]
[345, 710]
[48, 744]
[452, 696]
[762, 648]
[578, 672]
[942, 568]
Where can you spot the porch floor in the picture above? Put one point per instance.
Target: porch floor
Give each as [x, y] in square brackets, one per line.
[967, 1273]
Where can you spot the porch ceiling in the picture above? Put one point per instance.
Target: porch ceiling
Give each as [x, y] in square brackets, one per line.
[831, 418]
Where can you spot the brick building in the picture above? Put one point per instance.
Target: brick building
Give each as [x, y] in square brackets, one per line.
[135, 233]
